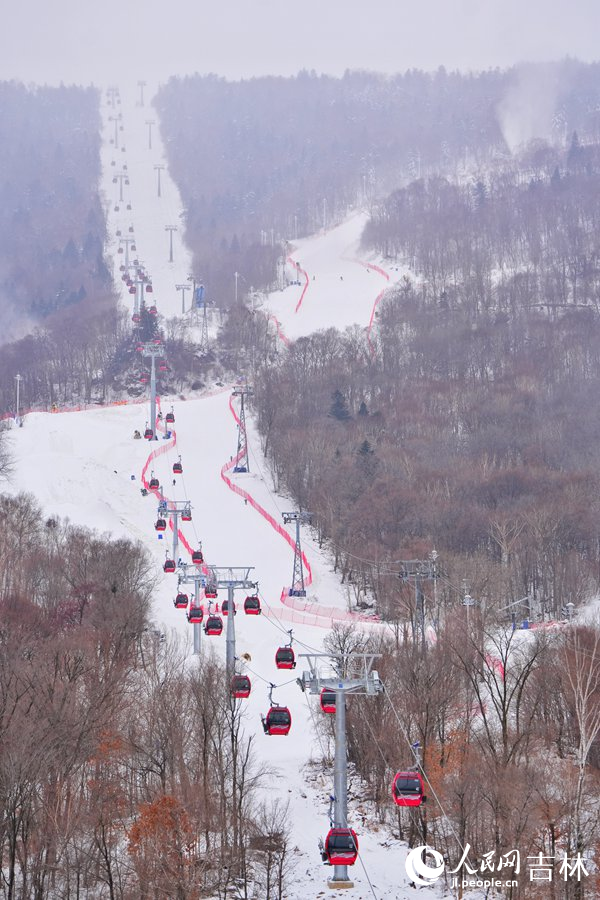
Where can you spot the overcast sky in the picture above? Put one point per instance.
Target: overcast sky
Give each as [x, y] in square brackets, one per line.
[81, 41]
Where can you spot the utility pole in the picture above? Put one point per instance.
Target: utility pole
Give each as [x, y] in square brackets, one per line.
[158, 168]
[234, 579]
[359, 677]
[173, 509]
[170, 229]
[242, 458]
[17, 416]
[297, 589]
[150, 123]
[152, 350]
[141, 85]
[183, 288]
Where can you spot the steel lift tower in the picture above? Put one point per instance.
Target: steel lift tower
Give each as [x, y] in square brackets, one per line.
[234, 579]
[355, 675]
[152, 350]
[297, 589]
[172, 509]
[198, 579]
[418, 571]
[243, 460]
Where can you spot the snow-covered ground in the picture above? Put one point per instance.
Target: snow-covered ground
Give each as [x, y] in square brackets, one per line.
[86, 465]
[338, 285]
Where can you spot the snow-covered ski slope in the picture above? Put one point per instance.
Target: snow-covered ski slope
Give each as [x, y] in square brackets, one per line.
[140, 149]
[86, 465]
[338, 286]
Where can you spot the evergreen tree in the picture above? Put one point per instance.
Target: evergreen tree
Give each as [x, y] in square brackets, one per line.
[339, 408]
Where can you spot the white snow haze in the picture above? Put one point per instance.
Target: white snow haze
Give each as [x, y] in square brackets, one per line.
[111, 41]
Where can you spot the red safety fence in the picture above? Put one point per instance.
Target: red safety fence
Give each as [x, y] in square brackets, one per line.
[81, 407]
[297, 609]
[299, 268]
[164, 447]
[371, 267]
[282, 336]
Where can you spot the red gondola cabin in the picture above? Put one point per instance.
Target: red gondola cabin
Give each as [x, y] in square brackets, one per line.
[153, 483]
[407, 789]
[341, 847]
[225, 608]
[195, 615]
[181, 601]
[170, 418]
[252, 606]
[160, 525]
[328, 699]
[177, 468]
[197, 557]
[285, 658]
[240, 687]
[278, 720]
[169, 565]
[214, 625]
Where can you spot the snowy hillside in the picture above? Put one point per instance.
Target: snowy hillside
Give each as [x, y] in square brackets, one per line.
[87, 467]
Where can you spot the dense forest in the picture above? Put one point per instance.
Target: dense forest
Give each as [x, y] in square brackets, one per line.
[52, 228]
[470, 423]
[120, 775]
[266, 160]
